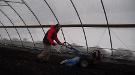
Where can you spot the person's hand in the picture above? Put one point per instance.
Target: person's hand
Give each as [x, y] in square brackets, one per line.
[64, 43]
[61, 44]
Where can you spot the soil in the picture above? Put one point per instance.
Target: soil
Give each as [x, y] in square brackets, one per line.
[21, 62]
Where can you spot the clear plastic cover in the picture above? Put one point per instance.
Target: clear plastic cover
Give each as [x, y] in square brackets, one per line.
[38, 13]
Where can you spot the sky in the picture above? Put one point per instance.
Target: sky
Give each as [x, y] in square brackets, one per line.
[90, 12]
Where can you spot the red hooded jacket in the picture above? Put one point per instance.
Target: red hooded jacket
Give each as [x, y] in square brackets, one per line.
[50, 36]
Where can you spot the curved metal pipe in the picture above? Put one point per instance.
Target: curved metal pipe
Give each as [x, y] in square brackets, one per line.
[3, 5]
[12, 1]
[22, 21]
[7, 32]
[107, 25]
[1, 38]
[55, 18]
[81, 23]
[33, 15]
[13, 25]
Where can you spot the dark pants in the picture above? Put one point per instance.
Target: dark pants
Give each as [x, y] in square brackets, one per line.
[45, 54]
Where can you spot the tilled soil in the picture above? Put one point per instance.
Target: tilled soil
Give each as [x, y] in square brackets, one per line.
[18, 62]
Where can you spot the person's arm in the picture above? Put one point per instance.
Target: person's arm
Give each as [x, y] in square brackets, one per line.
[50, 34]
[57, 40]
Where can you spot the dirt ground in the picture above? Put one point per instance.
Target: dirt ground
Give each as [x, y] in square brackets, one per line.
[17, 62]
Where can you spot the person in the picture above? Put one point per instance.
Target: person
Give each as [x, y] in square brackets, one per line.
[48, 41]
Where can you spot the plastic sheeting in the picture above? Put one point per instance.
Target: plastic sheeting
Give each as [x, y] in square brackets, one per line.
[48, 12]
